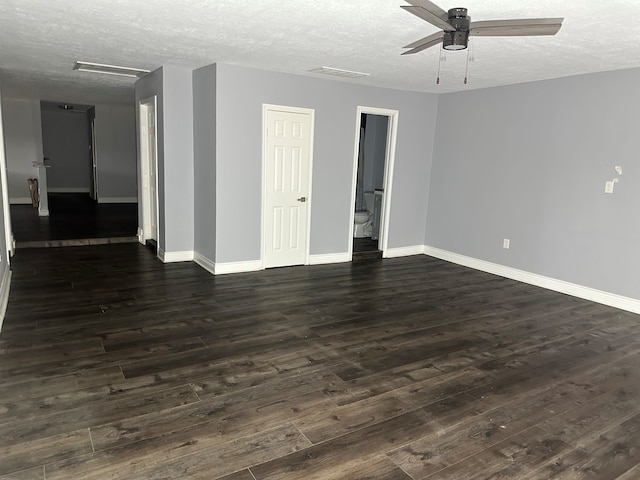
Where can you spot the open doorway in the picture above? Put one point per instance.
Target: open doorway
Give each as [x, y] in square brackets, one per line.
[373, 171]
[66, 210]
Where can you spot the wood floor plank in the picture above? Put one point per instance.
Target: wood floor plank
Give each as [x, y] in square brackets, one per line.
[360, 445]
[30, 426]
[510, 458]
[240, 413]
[29, 384]
[227, 458]
[588, 429]
[242, 475]
[36, 473]
[31, 454]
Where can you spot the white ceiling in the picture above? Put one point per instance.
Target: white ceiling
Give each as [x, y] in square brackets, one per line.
[40, 41]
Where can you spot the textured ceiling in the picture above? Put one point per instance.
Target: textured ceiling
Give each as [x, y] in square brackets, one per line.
[42, 39]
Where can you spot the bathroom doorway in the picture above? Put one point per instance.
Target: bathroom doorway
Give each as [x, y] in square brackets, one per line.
[373, 169]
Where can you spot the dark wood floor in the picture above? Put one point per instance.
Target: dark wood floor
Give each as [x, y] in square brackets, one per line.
[73, 216]
[116, 366]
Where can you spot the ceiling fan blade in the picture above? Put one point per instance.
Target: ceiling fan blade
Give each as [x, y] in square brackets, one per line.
[424, 43]
[522, 27]
[430, 7]
[430, 17]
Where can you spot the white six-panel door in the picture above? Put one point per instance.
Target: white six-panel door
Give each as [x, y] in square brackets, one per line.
[288, 139]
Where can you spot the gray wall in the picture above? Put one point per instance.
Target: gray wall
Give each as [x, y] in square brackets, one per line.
[173, 86]
[240, 95]
[204, 150]
[178, 158]
[116, 152]
[65, 142]
[529, 162]
[23, 144]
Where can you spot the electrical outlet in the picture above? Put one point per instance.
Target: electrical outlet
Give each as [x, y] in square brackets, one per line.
[505, 243]
[608, 187]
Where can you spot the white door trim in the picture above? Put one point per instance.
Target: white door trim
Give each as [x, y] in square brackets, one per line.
[145, 159]
[390, 158]
[266, 107]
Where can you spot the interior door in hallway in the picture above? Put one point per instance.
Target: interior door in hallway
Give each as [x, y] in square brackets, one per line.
[288, 143]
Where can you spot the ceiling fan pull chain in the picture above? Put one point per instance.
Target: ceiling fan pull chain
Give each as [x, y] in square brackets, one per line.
[466, 73]
[439, 63]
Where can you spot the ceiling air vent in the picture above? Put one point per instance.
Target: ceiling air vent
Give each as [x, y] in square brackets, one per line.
[338, 72]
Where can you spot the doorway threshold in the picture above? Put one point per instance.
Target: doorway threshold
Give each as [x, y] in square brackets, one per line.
[366, 256]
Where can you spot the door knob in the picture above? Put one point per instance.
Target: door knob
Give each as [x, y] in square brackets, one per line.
[302, 199]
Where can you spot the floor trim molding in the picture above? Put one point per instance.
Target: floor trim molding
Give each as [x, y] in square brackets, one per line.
[325, 258]
[20, 201]
[205, 262]
[5, 285]
[238, 267]
[580, 291]
[171, 257]
[404, 251]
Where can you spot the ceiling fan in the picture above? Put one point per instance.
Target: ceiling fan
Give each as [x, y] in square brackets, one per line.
[457, 26]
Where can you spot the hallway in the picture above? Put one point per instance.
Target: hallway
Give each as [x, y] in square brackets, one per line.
[114, 365]
[75, 219]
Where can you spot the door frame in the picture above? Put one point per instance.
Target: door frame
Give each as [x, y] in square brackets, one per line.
[267, 107]
[8, 231]
[389, 162]
[145, 163]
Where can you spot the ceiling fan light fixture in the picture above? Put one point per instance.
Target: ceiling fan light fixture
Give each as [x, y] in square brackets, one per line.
[457, 40]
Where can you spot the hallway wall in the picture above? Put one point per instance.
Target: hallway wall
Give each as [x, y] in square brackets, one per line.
[65, 141]
[23, 144]
[117, 154]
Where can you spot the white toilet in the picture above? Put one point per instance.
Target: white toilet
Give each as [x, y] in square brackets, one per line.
[362, 225]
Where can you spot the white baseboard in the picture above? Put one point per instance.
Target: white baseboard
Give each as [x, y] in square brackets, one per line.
[20, 201]
[404, 251]
[5, 285]
[171, 257]
[67, 190]
[238, 267]
[205, 262]
[118, 200]
[324, 258]
[580, 291]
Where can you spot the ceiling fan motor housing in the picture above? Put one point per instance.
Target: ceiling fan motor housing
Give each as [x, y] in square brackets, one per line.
[458, 39]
